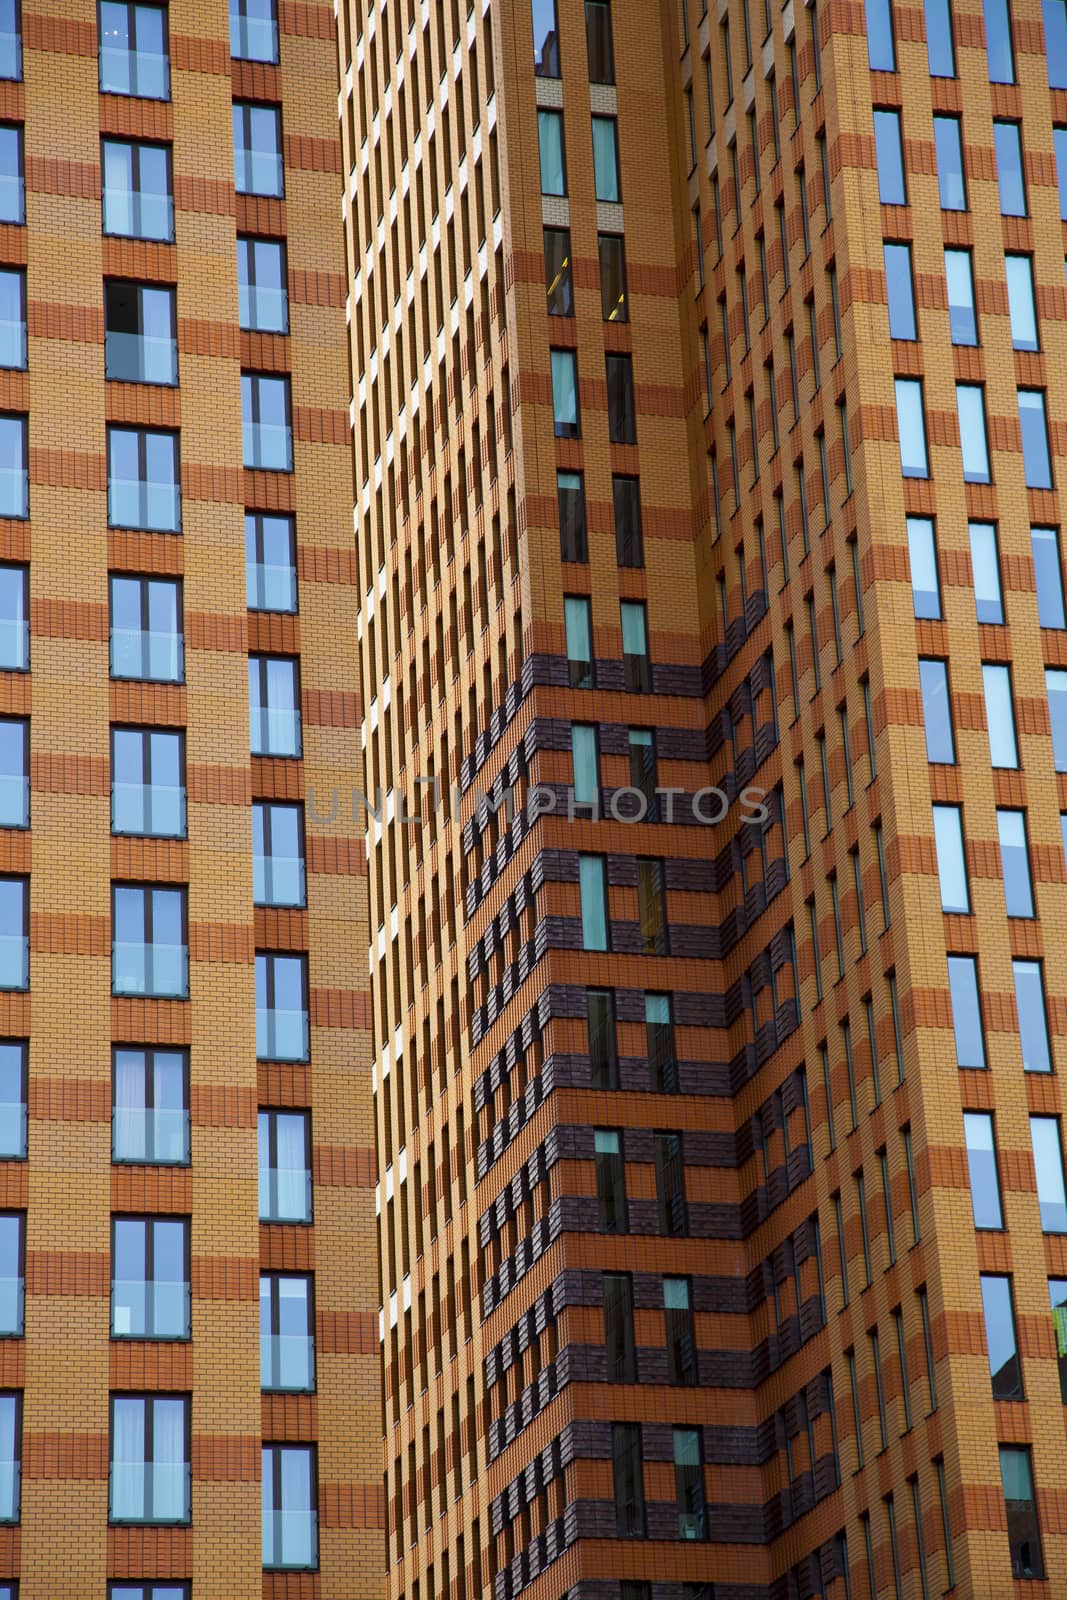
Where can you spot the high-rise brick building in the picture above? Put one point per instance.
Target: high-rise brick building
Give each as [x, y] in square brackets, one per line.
[710, 372]
[177, 674]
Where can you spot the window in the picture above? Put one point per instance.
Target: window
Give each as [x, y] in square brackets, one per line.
[253, 30]
[14, 614]
[281, 1007]
[133, 50]
[142, 480]
[286, 1332]
[14, 772]
[678, 1323]
[266, 422]
[290, 1507]
[670, 1184]
[642, 747]
[619, 1327]
[659, 1042]
[962, 318]
[146, 629]
[948, 149]
[966, 1011]
[284, 1166]
[606, 159]
[985, 566]
[11, 69]
[570, 495]
[12, 1276]
[1056, 688]
[257, 150]
[277, 854]
[550, 139]
[140, 343]
[998, 45]
[559, 290]
[262, 286]
[585, 784]
[1024, 1534]
[689, 1484]
[598, 41]
[881, 57]
[592, 884]
[629, 1480]
[565, 394]
[579, 630]
[629, 539]
[12, 181]
[274, 701]
[135, 1591]
[1020, 274]
[149, 1278]
[1048, 571]
[545, 38]
[14, 467]
[1055, 14]
[974, 447]
[922, 554]
[14, 939]
[982, 1169]
[613, 303]
[1007, 142]
[1037, 465]
[622, 421]
[940, 56]
[890, 156]
[148, 782]
[937, 711]
[1057, 1293]
[150, 951]
[12, 310]
[900, 289]
[1031, 1009]
[138, 196]
[637, 669]
[857, 1419]
[1048, 1162]
[951, 866]
[610, 1180]
[13, 1085]
[603, 1053]
[911, 426]
[1000, 715]
[1001, 1345]
[651, 907]
[150, 1106]
[270, 562]
[1059, 145]
[10, 1456]
[149, 1480]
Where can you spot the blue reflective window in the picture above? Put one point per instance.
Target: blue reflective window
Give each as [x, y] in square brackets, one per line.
[10, 40]
[14, 772]
[282, 1020]
[940, 55]
[922, 556]
[585, 767]
[974, 445]
[149, 1278]
[881, 56]
[262, 285]
[553, 161]
[1000, 714]
[148, 782]
[257, 150]
[1055, 13]
[266, 417]
[1059, 145]
[565, 394]
[1033, 1015]
[1037, 463]
[278, 877]
[962, 320]
[146, 629]
[134, 56]
[606, 159]
[900, 291]
[948, 148]
[1048, 1162]
[1048, 571]
[1020, 274]
[12, 1274]
[890, 154]
[1007, 141]
[1056, 688]
[985, 567]
[966, 1011]
[143, 488]
[14, 467]
[982, 1169]
[1015, 863]
[937, 711]
[150, 952]
[140, 333]
[290, 1501]
[286, 1332]
[150, 1107]
[138, 198]
[13, 1082]
[951, 862]
[12, 317]
[592, 882]
[274, 706]
[253, 30]
[579, 631]
[149, 1476]
[270, 562]
[998, 46]
[911, 426]
[545, 38]
[1002, 1347]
